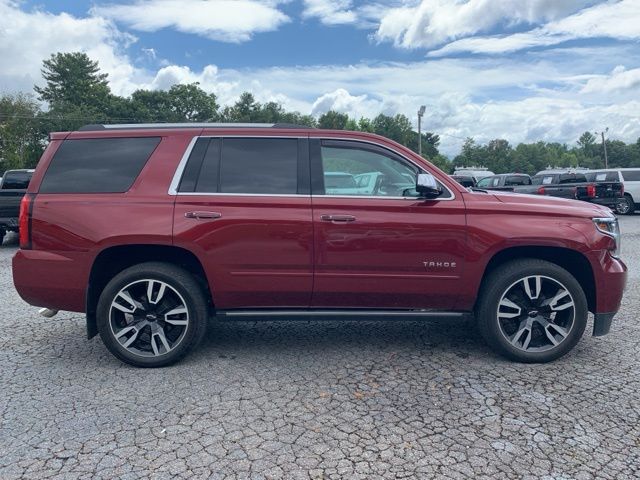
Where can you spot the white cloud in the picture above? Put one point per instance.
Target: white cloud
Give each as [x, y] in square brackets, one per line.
[330, 12]
[222, 20]
[433, 22]
[30, 37]
[620, 79]
[619, 20]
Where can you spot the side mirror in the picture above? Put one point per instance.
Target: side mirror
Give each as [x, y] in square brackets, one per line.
[427, 186]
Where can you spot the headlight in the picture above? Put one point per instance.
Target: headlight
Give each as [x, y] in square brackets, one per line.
[609, 226]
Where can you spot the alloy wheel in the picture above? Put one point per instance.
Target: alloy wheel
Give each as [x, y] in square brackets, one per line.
[536, 313]
[148, 318]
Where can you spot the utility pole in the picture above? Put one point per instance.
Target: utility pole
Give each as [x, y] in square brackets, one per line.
[421, 111]
[604, 146]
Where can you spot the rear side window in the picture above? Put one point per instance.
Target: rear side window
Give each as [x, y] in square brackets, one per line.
[97, 165]
[267, 166]
[572, 178]
[16, 180]
[631, 175]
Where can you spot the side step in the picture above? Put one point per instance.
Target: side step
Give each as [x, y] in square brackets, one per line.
[345, 314]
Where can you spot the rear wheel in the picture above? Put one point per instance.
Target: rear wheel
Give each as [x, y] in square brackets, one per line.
[152, 314]
[532, 311]
[626, 206]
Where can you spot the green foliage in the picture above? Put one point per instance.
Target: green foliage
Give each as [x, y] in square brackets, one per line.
[73, 78]
[77, 93]
[21, 141]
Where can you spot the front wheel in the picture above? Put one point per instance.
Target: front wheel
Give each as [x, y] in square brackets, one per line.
[152, 314]
[532, 311]
[626, 206]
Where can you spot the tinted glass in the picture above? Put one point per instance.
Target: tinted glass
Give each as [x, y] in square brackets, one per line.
[16, 180]
[208, 181]
[542, 180]
[97, 165]
[518, 180]
[194, 164]
[258, 165]
[631, 175]
[572, 178]
[611, 176]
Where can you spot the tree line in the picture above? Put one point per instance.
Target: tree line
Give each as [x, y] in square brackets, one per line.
[77, 93]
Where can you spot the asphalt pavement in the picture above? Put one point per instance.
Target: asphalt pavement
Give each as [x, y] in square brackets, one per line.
[401, 399]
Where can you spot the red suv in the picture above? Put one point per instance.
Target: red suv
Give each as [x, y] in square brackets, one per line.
[153, 229]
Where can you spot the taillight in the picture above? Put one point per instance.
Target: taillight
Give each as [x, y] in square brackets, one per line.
[24, 223]
[541, 191]
[591, 191]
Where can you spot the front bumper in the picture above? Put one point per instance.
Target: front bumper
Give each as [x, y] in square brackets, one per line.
[610, 275]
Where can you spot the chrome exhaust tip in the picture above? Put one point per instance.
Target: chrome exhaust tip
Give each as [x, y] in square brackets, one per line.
[47, 312]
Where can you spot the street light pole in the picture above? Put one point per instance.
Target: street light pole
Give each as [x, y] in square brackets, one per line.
[420, 114]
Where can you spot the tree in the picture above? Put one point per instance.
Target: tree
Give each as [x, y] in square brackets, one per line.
[192, 104]
[246, 109]
[333, 120]
[21, 139]
[74, 79]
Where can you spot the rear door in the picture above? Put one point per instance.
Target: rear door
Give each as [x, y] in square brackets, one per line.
[631, 180]
[379, 246]
[243, 207]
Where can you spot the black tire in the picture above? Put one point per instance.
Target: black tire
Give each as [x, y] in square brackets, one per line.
[182, 288]
[507, 280]
[627, 206]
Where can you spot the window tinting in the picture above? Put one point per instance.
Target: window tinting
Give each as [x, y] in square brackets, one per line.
[194, 164]
[210, 171]
[631, 175]
[518, 180]
[16, 180]
[485, 182]
[259, 165]
[97, 165]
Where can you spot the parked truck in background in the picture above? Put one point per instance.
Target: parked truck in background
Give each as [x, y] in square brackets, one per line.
[13, 186]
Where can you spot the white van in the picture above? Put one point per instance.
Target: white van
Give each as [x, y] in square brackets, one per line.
[630, 178]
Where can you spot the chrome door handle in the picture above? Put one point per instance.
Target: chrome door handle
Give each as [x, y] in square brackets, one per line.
[338, 218]
[203, 215]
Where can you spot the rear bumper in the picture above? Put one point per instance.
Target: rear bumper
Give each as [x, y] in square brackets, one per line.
[606, 202]
[53, 280]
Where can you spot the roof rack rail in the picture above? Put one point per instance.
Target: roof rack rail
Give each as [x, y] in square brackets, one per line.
[133, 126]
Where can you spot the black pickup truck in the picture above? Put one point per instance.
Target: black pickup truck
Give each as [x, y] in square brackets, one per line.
[13, 186]
[558, 184]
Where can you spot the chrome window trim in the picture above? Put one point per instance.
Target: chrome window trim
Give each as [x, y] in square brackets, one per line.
[177, 176]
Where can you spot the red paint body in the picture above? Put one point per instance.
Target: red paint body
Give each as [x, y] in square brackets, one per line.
[273, 251]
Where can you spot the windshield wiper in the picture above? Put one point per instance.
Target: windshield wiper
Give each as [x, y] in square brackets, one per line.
[476, 189]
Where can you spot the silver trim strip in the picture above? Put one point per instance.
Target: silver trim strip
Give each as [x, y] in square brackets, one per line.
[177, 176]
[338, 313]
[173, 188]
[118, 126]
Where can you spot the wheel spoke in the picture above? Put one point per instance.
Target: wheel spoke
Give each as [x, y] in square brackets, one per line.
[159, 334]
[154, 299]
[176, 311]
[561, 295]
[124, 296]
[131, 339]
[508, 304]
[524, 329]
[532, 291]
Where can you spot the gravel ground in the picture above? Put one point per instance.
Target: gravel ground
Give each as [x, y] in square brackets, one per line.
[317, 400]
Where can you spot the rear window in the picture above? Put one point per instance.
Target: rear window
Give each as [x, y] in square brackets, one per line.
[572, 178]
[16, 180]
[602, 176]
[518, 180]
[97, 165]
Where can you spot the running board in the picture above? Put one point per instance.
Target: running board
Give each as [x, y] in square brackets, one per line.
[334, 314]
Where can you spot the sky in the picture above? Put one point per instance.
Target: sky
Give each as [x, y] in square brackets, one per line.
[522, 70]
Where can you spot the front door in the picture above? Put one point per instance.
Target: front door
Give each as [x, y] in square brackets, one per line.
[243, 207]
[378, 245]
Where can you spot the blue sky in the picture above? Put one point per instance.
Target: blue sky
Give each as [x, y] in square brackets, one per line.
[521, 70]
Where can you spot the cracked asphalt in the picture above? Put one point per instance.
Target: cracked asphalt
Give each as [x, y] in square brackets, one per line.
[315, 400]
